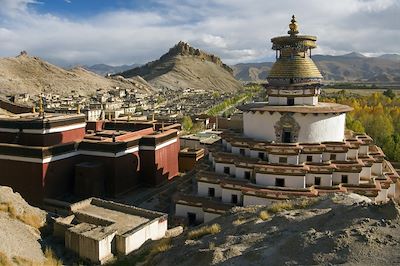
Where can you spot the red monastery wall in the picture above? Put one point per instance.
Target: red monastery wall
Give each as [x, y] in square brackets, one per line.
[158, 166]
[24, 178]
[43, 140]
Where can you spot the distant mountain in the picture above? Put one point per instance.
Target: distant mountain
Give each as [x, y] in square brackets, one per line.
[353, 67]
[103, 69]
[186, 67]
[395, 57]
[27, 74]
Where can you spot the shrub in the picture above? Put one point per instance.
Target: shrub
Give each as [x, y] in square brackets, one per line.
[205, 230]
[161, 246]
[263, 215]
[281, 206]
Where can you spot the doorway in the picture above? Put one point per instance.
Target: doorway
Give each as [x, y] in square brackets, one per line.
[287, 136]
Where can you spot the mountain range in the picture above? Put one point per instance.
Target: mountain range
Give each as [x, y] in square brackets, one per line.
[28, 74]
[353, 67]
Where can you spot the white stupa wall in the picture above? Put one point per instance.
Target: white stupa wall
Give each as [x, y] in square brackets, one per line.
[313, 127]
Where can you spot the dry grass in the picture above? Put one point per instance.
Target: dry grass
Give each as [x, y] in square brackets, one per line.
[51, 259]
[4, 260]
[304, 203]
[205, 230]
[29, 219]
[161, 246]
[281, 206]
[264, 215]
[9, 208]
[32, 220]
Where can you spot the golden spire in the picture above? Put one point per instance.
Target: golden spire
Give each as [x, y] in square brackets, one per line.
[293, 26]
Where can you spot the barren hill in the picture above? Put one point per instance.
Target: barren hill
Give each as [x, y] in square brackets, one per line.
[340, 229]
[20, 239]
[353, 67]
[29, 74]
[186, 67]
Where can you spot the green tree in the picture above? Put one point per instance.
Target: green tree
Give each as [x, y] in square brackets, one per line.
[187, 123]
[389, 93]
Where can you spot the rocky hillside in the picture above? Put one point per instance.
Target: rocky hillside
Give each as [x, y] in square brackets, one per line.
[345, 68]
[20, 239]
[186, 67]
[340, 229]
[29, 74]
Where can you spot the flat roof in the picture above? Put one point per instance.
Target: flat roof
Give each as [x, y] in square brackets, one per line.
[320, 108]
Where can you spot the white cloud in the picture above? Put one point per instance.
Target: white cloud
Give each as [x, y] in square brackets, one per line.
[235, 30]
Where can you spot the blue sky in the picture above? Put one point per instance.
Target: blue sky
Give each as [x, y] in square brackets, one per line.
[70, 32]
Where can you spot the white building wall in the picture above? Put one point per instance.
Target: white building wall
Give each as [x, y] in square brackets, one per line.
[382, 196]
[105, 247]
[313, 128]
[352, 154]
[316, 158]
[219, 168]
[291, 159]
[183, 210]
[290, 181]
[363, 150]
[208, 216]
[353, 178]
[326, 156]
[240, 172]
[227, 195]
[236, 150]
[376, 169]
[326, 179]
[253, 200]
[254, 154]
[366, 172]
[202, 189]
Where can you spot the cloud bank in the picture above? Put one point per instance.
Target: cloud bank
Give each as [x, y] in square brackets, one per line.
[236, 30]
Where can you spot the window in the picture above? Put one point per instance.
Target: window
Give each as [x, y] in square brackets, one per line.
[345, 179]
[261, 155]
[333, 156]
[317, 181]
[211, 192]
[309, 158]
[279, 182]
[241, 151]
[290, 101]
[247, 175]
[234, 199]
[191, 218]
[227, 170]
[282, 159]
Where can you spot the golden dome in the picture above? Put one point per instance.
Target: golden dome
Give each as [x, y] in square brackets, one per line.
[293, 68]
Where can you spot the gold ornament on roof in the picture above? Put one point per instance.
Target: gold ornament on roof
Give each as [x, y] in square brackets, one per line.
[293, 26]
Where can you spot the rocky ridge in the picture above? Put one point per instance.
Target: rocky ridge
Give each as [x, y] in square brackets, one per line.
[186, 67]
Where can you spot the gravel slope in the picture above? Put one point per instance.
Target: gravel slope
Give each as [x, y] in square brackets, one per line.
[336, 230]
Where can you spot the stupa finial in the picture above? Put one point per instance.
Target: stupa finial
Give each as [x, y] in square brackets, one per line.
[293, 26]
